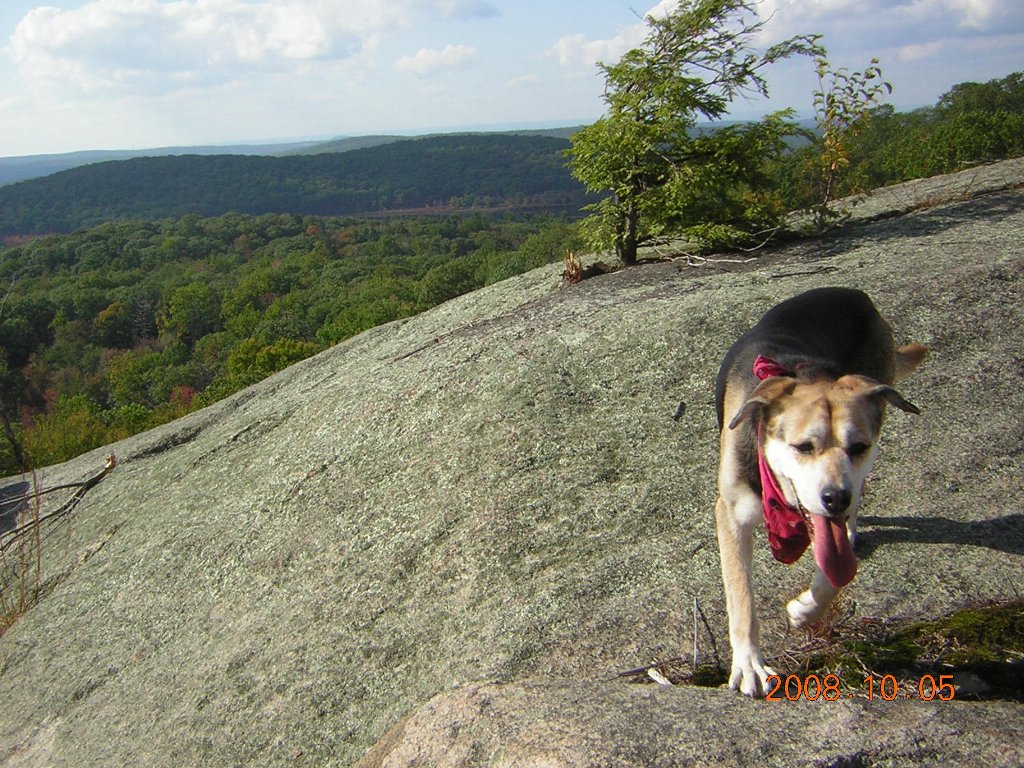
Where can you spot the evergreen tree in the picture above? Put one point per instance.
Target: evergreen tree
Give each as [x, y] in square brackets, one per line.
[658, 172]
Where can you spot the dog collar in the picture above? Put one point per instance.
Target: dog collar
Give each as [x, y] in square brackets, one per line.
[785, 524]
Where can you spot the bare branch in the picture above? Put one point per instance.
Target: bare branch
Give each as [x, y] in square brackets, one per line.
[9, 537]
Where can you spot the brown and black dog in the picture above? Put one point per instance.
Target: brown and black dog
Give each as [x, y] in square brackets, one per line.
[801, 398]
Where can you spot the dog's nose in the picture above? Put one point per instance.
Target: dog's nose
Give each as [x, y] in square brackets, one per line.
[836, 500]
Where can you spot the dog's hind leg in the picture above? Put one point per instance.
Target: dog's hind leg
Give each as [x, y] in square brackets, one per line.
[735, 522]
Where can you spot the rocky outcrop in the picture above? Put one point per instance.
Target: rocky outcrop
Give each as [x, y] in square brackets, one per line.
[497, 490]
[570, 724]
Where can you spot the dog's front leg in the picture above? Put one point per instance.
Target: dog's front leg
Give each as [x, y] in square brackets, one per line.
[735, 523]
[811, 604]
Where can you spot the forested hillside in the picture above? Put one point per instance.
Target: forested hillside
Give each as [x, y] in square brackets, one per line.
[350, 143]
[972, 124]
[20, 168]
[442, 173]
[125, 326]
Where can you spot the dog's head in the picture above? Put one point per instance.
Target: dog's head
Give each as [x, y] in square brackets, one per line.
[820, 438]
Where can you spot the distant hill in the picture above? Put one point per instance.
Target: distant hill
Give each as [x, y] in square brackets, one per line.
[349, 143]
[14, 169]
[437, 173]
[22, 168]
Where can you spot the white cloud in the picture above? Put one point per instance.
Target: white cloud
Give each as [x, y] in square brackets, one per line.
[866, 20]
[577, 51]
[918, 51]
[465, 9]
[523, 81]
[964, 48]
[115, 73]
[152, 46]
[430, 61]
[924, 46]
[966, 14]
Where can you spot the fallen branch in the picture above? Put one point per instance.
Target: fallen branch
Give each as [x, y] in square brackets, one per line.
[803, 273]
[769, 233]
[432, 342]
[660, 671]
[15, 500]
[685, 659]
[7, 538]
[696, 260]
[436, 340]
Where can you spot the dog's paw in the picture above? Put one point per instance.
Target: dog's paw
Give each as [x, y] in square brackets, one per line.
[750, 674]
[804, 610]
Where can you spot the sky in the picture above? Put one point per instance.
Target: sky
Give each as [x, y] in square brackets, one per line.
[136, 74]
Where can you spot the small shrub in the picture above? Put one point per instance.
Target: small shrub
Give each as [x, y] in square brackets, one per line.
[573, 271]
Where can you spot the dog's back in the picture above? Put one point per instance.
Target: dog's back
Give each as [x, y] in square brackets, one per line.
[822, 333]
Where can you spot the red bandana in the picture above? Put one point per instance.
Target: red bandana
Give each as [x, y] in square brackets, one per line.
[784, 523]
[765, 368]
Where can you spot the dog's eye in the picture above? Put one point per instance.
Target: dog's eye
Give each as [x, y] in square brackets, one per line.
[805, 448]
[858, 449]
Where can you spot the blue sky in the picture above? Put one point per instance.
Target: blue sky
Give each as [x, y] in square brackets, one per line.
[116, 74]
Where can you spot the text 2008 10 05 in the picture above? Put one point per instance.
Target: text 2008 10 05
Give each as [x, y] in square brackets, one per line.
[827, 688]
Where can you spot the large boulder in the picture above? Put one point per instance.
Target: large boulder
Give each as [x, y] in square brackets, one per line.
[497, 490]
[583, 724]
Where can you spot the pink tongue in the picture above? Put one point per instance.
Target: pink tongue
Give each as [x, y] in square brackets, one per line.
[832, 551]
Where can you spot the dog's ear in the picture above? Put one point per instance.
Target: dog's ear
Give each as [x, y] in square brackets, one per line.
[865, 386]
[908, 357]
[764, 394]
[891, 395]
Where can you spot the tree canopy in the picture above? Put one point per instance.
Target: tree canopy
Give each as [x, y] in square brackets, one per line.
[645, 153]
[971, 124]
[116, 329]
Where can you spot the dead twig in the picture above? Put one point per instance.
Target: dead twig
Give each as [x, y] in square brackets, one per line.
[816, 271]
[707, 627]
[435, 341]
[8, 538]
[15, 500]
[696, 260]
[644, 670]
[668, 672]
[428, 345]
[770, 233]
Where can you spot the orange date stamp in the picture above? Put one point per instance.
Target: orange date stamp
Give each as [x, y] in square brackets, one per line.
[887, 687]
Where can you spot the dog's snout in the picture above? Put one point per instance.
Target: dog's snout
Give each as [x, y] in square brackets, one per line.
[836, 500]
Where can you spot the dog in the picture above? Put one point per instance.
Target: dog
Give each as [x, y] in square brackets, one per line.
[800, 400]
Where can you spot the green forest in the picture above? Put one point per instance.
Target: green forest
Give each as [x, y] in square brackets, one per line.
[972, 124]
[126, 324]
[444, 173]
[119, 328]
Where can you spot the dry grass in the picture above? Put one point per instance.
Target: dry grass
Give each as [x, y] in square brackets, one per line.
[21, 546]
[980, 650]
[573, 272]
[21, 558]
